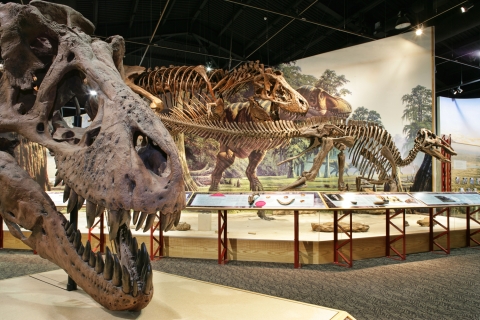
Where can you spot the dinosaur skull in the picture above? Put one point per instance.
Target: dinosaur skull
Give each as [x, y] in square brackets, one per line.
[49, 60]
[431, 144]
[321, 103]
[272, 86]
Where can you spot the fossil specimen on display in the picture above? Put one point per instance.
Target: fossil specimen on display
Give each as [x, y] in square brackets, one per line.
[205, 104]
[374, 152]
[49, 59]
[328, 227]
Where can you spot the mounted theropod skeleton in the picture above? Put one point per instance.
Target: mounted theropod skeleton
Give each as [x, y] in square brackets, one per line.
[49, 59]
[250, 95]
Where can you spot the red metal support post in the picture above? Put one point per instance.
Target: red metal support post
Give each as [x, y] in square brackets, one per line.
[470, 234]
[1, 232]
[296, 241]
[101, 238]
[389, 243]
[447, 167]
[446, 229]
[348, 262]
[159, 240]
[222, 237]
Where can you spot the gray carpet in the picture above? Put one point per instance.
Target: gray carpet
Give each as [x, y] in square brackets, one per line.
[425, 286]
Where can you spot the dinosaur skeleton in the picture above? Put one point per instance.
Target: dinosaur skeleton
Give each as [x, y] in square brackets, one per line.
[196, 98]
[49, 60]
[374, 152]
[178, 82]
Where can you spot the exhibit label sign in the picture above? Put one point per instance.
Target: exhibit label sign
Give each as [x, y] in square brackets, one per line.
[370, 200]
[448, 198]
[264, 200]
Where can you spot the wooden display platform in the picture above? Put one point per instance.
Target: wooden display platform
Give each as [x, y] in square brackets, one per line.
[311, 252]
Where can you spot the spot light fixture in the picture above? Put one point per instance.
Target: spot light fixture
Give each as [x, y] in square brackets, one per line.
[456, 90]
[419, 30]
[402, 21]
[466, 6]
[93, 93]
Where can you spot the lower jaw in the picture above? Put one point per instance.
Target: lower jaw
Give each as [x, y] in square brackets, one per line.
[106, 281]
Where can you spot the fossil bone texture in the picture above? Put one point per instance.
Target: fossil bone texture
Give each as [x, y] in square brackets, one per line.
[374, 152]
[49, 59]
[203, 103]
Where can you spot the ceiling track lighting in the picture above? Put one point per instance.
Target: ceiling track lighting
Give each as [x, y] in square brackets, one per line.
[456, 90]
[466, 6]
[402, 21]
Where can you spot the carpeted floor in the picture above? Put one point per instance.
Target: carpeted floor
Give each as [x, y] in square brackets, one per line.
[425, 286]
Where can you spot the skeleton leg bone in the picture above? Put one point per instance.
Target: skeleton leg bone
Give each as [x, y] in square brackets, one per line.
[254, 160]
[341, 166]
[225, 158]
[327, 145]
[394, 183]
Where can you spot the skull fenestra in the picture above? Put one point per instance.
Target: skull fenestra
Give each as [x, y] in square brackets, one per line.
[50, 59]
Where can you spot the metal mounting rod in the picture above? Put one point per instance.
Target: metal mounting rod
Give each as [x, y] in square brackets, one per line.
[303, 19]
[154, 31]
[270, 38]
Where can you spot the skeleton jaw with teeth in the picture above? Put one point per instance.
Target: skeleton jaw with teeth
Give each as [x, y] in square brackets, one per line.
[49, 60]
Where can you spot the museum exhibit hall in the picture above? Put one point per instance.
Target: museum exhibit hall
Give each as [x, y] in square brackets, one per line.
[240, 159]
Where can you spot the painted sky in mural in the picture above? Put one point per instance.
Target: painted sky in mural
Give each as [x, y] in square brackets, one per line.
[459, 118]
[380, 73]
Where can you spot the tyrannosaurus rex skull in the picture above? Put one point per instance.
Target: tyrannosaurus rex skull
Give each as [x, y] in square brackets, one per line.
[50, 59]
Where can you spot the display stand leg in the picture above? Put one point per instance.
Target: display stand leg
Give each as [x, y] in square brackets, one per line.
[338, 245]
[158, 240]
[389, 243]
[446, 229]
[1, 232]
[470, 234]
[101, 238]
[72, 285]
[296, 241]
[222, 237]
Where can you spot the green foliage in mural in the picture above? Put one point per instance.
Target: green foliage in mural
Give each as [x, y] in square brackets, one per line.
[418, 112]
[333, 83]
[294, 76]
[362, 113]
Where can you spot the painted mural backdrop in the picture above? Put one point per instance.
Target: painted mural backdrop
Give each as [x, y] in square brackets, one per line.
[388, 81]
[459, 117]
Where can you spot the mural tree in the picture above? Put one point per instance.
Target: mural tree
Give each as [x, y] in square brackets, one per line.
[362, 113]
[294, 76]
[418, 111]
[333, 83]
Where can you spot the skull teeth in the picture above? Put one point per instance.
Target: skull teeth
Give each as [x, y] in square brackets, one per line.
[110, 267]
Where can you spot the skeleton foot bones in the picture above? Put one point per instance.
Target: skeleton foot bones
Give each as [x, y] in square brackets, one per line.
[49, 60]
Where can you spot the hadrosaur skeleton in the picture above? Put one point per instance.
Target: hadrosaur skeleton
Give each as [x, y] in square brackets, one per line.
[49, 59]
[374, 152]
